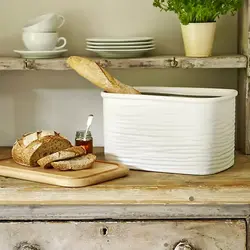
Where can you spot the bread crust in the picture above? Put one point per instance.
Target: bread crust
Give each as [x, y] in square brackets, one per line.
[65, 154]
[78, 163]
[90, 70]
[33, 146]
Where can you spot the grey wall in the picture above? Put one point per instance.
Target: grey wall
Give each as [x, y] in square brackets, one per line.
[62, 100]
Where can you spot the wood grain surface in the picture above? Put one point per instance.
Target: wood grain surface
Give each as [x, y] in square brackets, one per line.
[243, 105]
[147, 235]
[100, 171]
[229, 187]
[157, 62]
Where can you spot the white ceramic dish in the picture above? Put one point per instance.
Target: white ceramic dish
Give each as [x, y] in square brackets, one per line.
[120, 43]
[120, 50]
[108, 53]
[175, 134]
[35, 41]
[121, 47]
[40, 54]
[45, 23]
[121, 39]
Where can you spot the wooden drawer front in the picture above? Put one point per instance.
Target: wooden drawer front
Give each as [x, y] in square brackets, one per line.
[139, 235]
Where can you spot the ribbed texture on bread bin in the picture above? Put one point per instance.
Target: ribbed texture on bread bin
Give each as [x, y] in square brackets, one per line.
[187, 135]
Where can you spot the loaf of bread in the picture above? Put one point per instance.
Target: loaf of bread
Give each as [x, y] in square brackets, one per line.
[34, 146]
[65, 154]
[78, 163]
[90, 70]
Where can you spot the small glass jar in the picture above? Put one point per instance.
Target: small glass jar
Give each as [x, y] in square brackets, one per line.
[87, 143]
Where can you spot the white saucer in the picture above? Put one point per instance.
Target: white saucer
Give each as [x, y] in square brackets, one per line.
[120, 53]
[40, 54]
[119, 43]
[121, 39]
[121, 47]
[120, 50]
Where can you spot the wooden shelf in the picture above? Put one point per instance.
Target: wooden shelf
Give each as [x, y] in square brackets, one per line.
[159, 62]
[140, 187]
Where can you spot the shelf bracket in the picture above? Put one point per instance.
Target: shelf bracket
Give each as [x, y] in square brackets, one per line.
[171, 63]
[174, 63]
[29, 64]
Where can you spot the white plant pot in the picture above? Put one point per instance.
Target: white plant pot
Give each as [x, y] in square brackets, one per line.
[187, 135]
[198, 39]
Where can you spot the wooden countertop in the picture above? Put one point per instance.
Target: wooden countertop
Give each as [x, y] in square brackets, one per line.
[229, 187]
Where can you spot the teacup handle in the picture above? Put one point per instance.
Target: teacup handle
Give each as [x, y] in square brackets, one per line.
[64, 43]
[62, 21]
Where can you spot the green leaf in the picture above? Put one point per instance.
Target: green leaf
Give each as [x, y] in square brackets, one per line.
[199, 11]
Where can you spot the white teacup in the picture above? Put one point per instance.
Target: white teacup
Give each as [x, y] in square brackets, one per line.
[43, 41]
[45, 23]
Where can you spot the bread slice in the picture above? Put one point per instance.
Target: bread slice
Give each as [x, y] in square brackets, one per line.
[33, 146]
[61, 155]
[78, 163]
[90, 70]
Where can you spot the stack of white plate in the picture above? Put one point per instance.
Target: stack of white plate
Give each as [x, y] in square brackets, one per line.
[120, 47]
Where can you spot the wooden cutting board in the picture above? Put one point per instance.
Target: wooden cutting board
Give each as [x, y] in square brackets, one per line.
[100, 172]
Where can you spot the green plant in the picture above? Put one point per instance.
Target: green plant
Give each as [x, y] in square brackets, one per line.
[199, 11]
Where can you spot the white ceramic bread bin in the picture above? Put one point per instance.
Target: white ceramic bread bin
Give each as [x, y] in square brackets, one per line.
[189, 134]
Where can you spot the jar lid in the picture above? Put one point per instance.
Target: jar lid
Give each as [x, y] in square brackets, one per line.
[80, 135]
